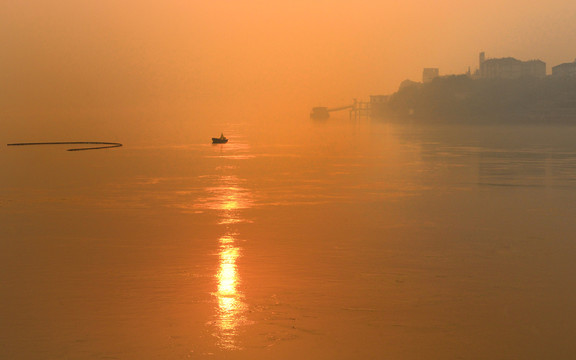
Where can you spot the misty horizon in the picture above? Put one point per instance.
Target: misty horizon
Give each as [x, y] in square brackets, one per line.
[102, 62]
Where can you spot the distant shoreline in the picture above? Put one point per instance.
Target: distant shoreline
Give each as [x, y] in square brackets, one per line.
[461, 99]
[494, 119]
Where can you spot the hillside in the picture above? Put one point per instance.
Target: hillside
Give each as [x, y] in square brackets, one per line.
[460, 98]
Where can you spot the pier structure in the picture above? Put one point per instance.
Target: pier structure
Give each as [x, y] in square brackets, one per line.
[360, 109]
[356, 110]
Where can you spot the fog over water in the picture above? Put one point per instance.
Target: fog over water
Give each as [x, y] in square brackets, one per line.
[336, 239]
[145, 68]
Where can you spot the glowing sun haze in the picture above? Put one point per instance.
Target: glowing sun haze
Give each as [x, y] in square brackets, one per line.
[82, 57]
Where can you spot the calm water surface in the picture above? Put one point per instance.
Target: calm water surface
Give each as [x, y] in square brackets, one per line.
[335, 240]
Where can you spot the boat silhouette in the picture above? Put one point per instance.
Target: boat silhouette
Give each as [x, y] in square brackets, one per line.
[220, 140]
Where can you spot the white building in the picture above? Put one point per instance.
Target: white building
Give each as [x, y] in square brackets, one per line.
[510, 68]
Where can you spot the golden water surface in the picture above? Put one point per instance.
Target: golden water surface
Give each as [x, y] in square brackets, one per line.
[381, 241]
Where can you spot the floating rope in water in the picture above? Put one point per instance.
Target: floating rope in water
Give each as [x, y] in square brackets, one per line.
[109, 145]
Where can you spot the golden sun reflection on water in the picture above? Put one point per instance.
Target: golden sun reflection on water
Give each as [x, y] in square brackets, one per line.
[228, 198]
[227, 276]
[231, 308]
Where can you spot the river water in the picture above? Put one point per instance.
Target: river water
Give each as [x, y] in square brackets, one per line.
[313, 240]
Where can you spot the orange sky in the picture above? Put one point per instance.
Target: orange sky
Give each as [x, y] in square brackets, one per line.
[65, 55]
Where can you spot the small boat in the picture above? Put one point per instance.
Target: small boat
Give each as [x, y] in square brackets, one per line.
[220, 140]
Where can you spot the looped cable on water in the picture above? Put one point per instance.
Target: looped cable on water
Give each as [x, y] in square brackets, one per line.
[108, 145]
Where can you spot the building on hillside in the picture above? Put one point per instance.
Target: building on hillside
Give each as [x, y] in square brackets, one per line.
[428, 74]
[564, 70]
[510, 68]
[378, 105]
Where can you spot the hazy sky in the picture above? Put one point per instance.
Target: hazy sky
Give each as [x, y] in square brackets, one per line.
[67, 55]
